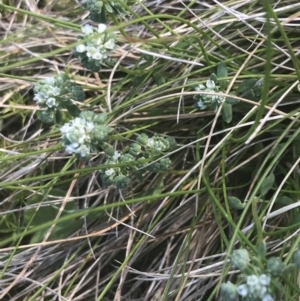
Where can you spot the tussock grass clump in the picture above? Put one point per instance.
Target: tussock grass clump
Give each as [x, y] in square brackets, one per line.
[197, 157]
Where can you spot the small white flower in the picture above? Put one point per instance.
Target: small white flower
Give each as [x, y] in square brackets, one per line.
[210, 84]
[252, 280]
[97, 56]
[150, 142]
[50, 81]
[116, 155]
[78, 122]
[101, 28]
[80, 48]
[201, 105]
[55, 91]
[104, 56]
[90, 51]
[98, 41]
[242, 290]
[109, 172]
[84, 150]
[159, 146]
[267, 297]
[110, 44]
[89, 126]
[221, 99]
[200, 87]
[264, 279]
[70, 149]
[51, 102]
[82, 139]
[263, 291]
[87, 29]
[39, 98]
[66, 128]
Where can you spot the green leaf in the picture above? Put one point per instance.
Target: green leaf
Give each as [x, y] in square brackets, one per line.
[138, 175]
[58, 117]
[227, 112]
[267, 184]
[73, 110]
[248, 89]
[46, 214]
[262, 251]
[214, 78]
[235, 203]
[77, 93]
[99, 18]
[289, 268]
[284, 200]
[139, 80]
[246, 85]
[159, 78]
[47, 116]
[231, 100]
[108, 8]
[221, 73]
[108, 149]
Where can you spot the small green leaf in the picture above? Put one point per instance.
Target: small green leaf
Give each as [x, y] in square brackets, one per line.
[235, 203]
[108, 8]
[284, 200]
[231, 100]
[139, 80]
[99, 18]
[248, 89]
[77, 93]
[108, 149]
[138, 175]
[267, 184]
[58, 117]
[221, 73]
[47, 116]
[246, 85]
[73, 110]
[159, 78]
[262, 250]
[46, 214]
[214, 78]
[227, 112]
[289, 268]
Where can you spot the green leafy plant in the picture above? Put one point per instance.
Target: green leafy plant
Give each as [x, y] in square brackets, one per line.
[55, 93]
[215, 84]
[95, 48]
[99, 8]
[255, 280]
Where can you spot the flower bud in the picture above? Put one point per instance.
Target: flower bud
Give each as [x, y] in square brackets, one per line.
[165, 164]
[275, 265]
[240, 258]
[100, 118]
[127, 158]
[135, 149]
[142, 139]
[229, 291]
[108, 149]
[121, 181]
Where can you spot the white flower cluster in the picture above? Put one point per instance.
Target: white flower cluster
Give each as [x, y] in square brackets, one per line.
[157, 144]
[109, 172]
[256, 288]
[205, 100]
[77, 136]
[46, 91]
[99, 46]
